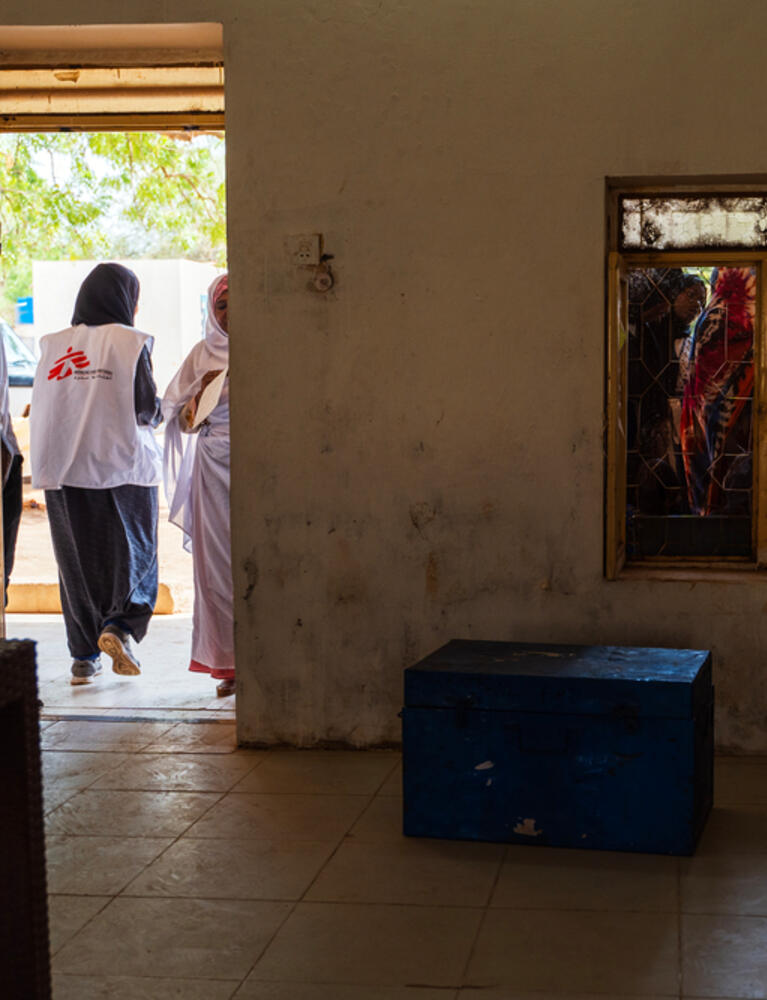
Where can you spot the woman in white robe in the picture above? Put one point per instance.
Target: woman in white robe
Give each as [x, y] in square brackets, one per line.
[196, 467]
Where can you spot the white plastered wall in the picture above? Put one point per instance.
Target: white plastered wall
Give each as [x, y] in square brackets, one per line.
[418, 453]
[171, 304]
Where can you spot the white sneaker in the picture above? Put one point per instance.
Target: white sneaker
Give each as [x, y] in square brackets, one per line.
[85, 671]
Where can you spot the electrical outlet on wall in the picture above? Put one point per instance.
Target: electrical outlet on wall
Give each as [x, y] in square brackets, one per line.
[305, 249]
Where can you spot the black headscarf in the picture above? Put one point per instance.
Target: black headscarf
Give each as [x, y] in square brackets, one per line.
[108, 295]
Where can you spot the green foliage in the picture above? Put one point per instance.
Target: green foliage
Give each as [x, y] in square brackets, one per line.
[75, 196]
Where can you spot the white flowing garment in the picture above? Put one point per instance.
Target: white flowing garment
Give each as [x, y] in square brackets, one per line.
[196, 468]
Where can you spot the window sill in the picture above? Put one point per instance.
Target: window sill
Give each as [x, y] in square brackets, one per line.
[688, 573]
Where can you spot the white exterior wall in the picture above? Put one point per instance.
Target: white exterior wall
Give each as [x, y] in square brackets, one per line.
[418, 453]
[169, 303]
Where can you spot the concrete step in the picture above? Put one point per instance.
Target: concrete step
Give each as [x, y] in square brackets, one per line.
[43, 599]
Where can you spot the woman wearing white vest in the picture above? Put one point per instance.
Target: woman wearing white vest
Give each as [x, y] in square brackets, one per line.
[196, 411]
[93, 451]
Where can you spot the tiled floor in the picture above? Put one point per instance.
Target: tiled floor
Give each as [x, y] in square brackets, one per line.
[180, 867]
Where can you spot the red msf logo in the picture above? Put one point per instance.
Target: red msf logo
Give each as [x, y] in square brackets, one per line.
[67, 364]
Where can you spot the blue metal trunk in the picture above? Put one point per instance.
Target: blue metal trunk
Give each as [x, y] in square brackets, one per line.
[570, 746]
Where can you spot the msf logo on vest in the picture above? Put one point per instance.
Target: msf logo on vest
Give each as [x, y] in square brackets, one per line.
[67, 364]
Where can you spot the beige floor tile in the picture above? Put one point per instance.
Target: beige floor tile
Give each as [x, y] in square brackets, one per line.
[320, 772]
[77, 769]
[724, 956]
[173, 938]
[233, 869]
[512, 994]
[424, 872]
[729, 883]
[740, 781]
[130, 988]
[129, 814]
[543, 878]
[54, 797]
[371, 945]
[178, 772]
[252, 990]
[393, 784]
[271, 817]
[78, 735]
[613, 953]
[69, 771]
[734, 830]
[98, 865]
[69, 914]
[200, 737]
[382, 820]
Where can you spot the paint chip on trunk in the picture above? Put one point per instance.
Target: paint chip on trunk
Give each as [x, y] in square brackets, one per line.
[526, 827]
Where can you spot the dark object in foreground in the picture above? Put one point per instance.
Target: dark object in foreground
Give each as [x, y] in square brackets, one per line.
[605, 747]
[24, 962]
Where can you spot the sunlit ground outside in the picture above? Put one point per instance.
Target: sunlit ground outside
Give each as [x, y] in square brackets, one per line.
[165, 689]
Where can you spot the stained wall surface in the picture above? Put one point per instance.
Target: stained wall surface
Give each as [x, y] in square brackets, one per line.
[418, 452]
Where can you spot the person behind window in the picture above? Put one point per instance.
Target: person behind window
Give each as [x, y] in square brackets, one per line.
[93, 451]
[196, 410]
[664, 304]
[716, 426]
[11, 473]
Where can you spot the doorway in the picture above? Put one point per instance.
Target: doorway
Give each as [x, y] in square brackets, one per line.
[79, 113]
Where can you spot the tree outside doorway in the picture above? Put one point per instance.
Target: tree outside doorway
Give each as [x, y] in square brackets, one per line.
[83, 196]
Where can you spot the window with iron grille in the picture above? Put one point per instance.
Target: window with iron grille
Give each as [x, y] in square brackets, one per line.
[686, 280]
